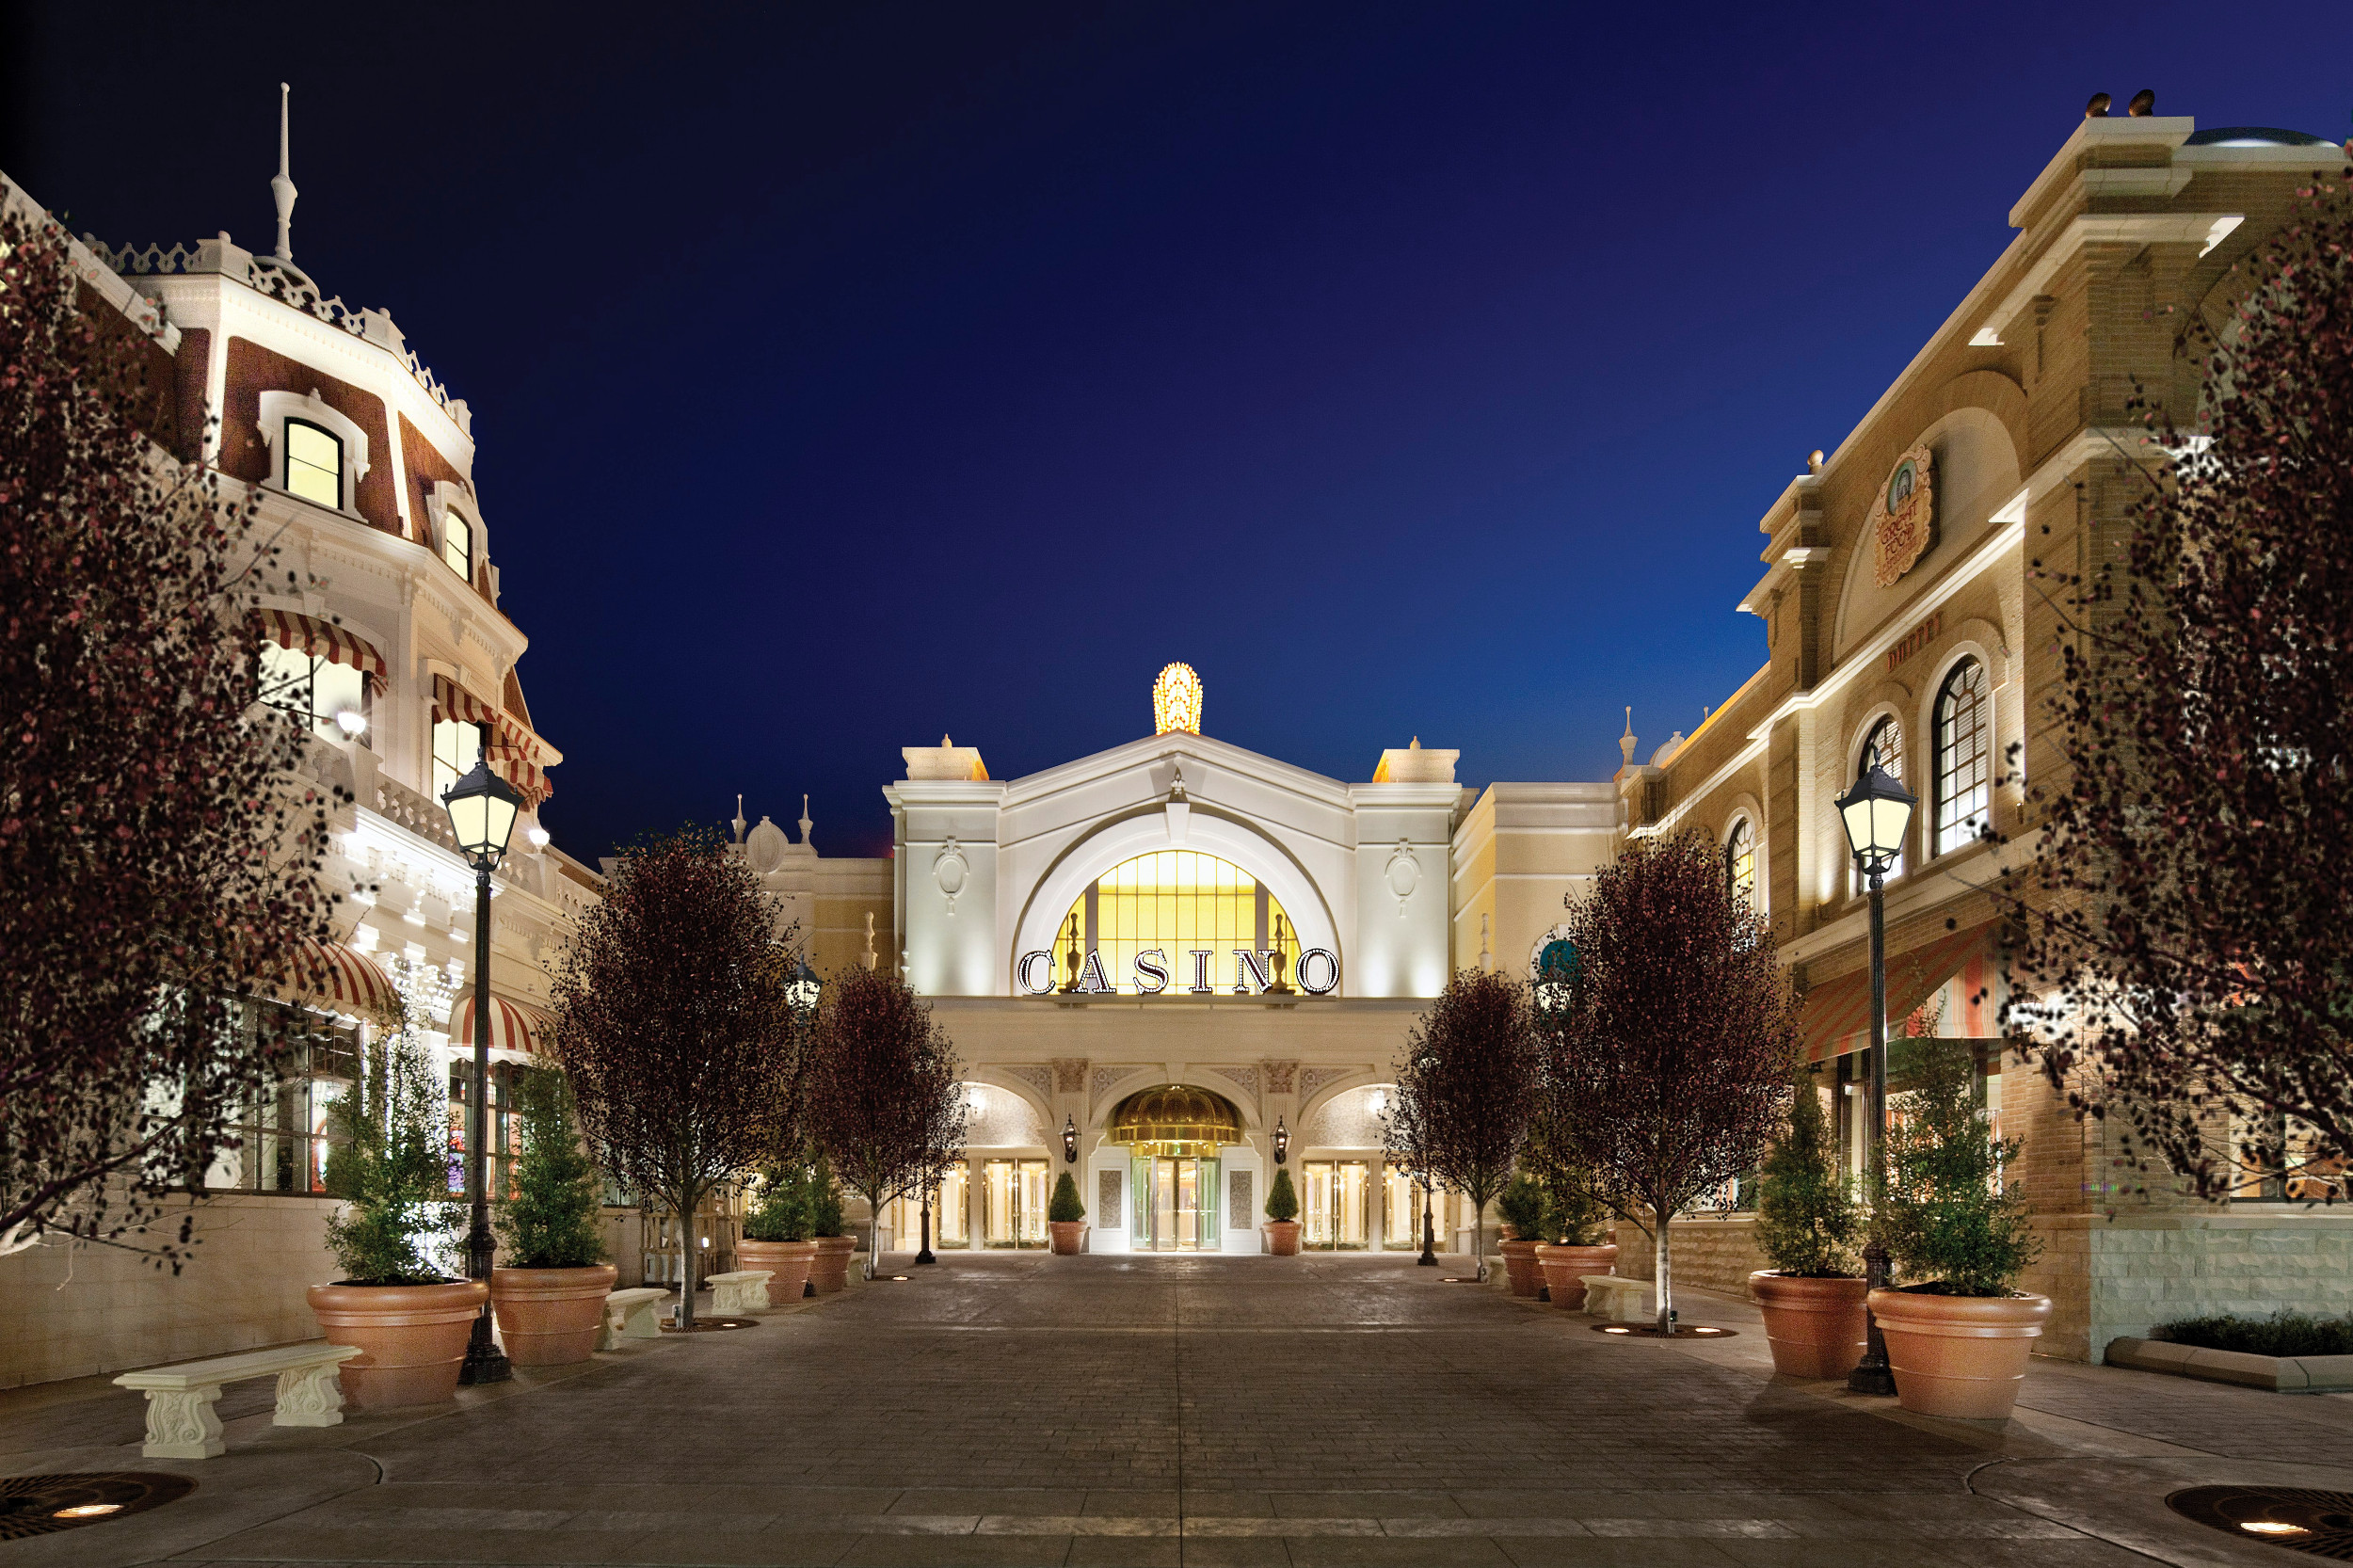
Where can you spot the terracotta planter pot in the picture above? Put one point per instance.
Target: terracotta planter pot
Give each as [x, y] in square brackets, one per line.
[1565, 1269]
[1068, 1235]
[1814, 1326]
[550, 1316]
[412, 1338]
[1959, 1356]
[829, 1269]
[1282, 1238]
[787, 1262]
[1519, 1262]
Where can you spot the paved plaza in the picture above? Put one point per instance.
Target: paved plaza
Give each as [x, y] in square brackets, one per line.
[1018, 1409]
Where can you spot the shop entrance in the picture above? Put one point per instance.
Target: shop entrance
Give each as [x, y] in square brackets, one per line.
[1336, 1211]
[1176, 1203]
[1012, 1202]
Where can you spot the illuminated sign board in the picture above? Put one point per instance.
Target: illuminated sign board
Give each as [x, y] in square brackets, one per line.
[1257, 972]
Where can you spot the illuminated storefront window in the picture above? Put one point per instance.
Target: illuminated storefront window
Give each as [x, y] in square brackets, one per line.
[1165, 909]
[1336, 1211]
[950, 1203]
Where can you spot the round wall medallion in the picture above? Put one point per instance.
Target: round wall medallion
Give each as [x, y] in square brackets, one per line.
[2299, 1517]
[39, 1505]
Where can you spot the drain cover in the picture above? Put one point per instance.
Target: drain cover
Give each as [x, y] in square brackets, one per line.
[2318, 1523]
[36, 1505]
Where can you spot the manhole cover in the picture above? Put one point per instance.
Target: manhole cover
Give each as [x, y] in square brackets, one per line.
[2319, 1523]
[714, 1325]
[36, 1505]
[1647, 1331]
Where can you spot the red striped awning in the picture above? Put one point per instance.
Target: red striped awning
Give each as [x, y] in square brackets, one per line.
[322, 639]
[514, 1026]
[518, 754]
[337, 979]
[1840, 1009]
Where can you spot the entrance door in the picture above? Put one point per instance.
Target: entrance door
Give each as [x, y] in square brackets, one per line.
[1012, 1202]
[1336, 1214]
[1176, 1205]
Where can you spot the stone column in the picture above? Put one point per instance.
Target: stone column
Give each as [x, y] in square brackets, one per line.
[975, 1203]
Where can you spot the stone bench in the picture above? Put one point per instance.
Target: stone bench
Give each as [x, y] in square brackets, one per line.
[1617, 1299]
[744, 1290]
[633, 1313]
[181, 1422]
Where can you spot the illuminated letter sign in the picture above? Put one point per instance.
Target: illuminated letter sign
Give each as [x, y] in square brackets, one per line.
[1025, 973]
[1250, 968]
[1331, 978]
[1091, 980]
[1201, 956]
[1151, 971]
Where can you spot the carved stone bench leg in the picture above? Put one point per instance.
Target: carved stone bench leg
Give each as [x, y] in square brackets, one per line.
[643, 1321]
[309, 1396]
[608, 1336]
[181, 1424]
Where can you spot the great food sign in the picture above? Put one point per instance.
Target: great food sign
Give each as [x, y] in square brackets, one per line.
[1257, 972]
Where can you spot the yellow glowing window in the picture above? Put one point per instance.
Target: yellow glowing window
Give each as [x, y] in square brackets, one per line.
[455, 748]
[1740, 861]
[315, 464]
[457, 544]
[1164, 907]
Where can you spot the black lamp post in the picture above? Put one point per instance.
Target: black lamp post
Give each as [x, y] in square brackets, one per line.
[1429, 1258]
[1876, 812]
[482, 810]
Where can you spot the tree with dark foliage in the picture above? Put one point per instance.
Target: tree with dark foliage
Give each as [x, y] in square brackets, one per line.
[1466, 1090]
[885, 1096]
[158, 855]
[674, 1023]
[2185, 967]
[1668, 1068]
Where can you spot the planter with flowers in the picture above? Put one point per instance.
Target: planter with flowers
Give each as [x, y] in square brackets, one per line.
[1807, 1225]
[1958, 1340]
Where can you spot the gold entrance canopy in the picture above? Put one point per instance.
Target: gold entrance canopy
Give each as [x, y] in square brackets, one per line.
[1176, 1123]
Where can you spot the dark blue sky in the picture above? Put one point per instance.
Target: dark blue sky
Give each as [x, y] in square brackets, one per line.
[845, 374]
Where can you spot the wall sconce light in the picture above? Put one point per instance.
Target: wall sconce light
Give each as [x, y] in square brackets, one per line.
[1071, 1140]
[1282, 1140]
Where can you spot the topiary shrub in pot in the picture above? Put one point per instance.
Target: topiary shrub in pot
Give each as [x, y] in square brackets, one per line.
[829, 1269]
[387, 1162]
[1522, 1207]
[1281, 1215]
[1066, 1217]
[777, 1233]
[550, 1297]
[1807, 1225]
[1959, 1339]
[1577, 1223]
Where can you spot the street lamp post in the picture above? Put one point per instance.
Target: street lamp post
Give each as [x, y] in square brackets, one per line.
[482, 809]
[1429, 1258]
[1875, 812]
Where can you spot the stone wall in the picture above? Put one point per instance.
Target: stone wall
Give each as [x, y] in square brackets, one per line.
[72, 1311]
[1713, 1255]
[2147, 1269]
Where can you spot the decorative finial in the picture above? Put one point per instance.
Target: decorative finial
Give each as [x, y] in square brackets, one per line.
[1176, 784]
[805, 824]
[944, 742]
[2144, 104]
[1813, 461]
[1626, 741]
[738, 823]
[282, 187]
[2098, 108]
[1176, 700]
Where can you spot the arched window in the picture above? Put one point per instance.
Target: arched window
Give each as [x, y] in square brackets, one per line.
[457, 543]
[1740, 861]
[314, 463]
[1175, 903]
[1883, 747]
[1964, 755]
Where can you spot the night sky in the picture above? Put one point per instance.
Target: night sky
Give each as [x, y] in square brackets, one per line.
[845, 374]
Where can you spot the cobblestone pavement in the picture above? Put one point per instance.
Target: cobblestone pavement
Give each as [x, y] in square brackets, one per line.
[1026, 1410]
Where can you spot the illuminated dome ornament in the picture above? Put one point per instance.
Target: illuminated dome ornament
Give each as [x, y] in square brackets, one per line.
[1176, 700]
[1178, 1122]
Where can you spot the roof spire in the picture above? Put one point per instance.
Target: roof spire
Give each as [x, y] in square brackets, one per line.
[805, 824]
[1626, 741]
[282, 187]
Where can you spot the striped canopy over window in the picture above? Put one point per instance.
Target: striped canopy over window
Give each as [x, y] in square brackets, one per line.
[320, 639]
[517, 753]
[515, 1026]
[333, 977]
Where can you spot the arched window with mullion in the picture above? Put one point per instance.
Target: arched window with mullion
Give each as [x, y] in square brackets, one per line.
[1740, 861]
[314, 463]
[1964, 756]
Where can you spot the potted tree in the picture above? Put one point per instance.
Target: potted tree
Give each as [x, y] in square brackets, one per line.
[1958, 1341]
[1579, 1244]
[550, 1298]
[1522, 1210]
[829, 1269]
[1066, 1217]
[777, 1233]
[1807, 1225]
[1281, 1215]
[409, 1318]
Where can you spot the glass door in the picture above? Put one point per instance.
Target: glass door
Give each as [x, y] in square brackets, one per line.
[1336, 1215]
[1400, 1210]
[1176, 1205]
[1012, 1202]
